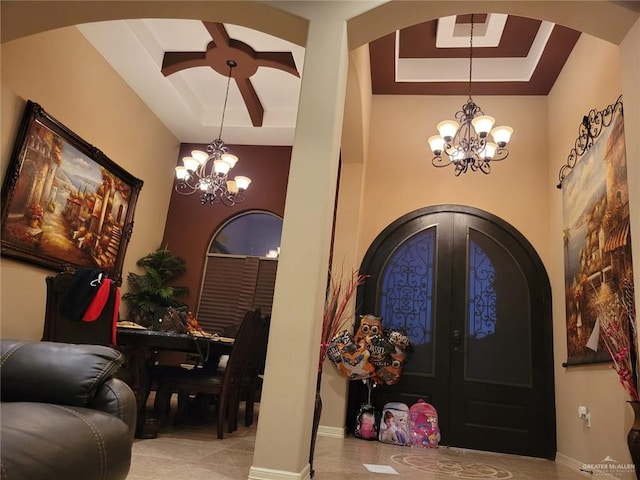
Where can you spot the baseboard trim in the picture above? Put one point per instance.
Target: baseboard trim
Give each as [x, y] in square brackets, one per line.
[333, 432]
[578, 466]
[259, 473]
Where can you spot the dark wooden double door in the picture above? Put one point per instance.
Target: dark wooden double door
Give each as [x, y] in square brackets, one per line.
[473, 296]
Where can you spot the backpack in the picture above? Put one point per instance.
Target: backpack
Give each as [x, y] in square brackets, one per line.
[425, 431]
[367, 422]
[394, 424]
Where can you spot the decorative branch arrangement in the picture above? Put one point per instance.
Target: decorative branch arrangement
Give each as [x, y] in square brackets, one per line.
[336, 312]
[616, 316]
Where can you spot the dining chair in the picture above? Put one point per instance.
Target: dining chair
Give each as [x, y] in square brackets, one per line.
[251, 388]
[223, 386]
[63, 324]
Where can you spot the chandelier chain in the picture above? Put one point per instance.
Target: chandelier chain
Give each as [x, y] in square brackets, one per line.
[470, 55]
[226, 96]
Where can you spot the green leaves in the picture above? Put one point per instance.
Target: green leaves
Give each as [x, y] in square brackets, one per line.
[151, 290]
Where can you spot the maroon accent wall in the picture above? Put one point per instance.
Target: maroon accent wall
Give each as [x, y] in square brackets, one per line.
[190, 226]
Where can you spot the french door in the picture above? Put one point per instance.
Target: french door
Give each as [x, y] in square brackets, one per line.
[473, 296]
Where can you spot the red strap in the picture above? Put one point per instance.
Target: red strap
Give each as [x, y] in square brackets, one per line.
[116, 316]
[98, 302]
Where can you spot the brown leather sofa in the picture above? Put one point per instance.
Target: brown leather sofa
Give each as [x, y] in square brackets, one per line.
[63, 413]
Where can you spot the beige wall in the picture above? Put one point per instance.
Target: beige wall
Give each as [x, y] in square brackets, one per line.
[62, 72]
[589, 80]
[400, 177]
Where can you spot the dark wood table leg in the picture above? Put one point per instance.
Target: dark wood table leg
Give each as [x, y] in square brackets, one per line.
[139, 361]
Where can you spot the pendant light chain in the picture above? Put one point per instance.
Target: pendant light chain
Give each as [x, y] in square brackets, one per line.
[470, 55]
[231, 64]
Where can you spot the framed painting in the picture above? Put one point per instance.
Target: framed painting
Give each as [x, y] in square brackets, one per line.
[597, 242]
[65, 204]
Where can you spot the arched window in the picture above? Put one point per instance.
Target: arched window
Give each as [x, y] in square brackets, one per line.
[251, 234]
[240, 270]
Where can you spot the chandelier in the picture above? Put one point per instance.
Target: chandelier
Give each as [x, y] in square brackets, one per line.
[208, 172]
[465, 142]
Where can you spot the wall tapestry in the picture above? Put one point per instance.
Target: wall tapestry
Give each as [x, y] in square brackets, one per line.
[65, 204]
[597, 241]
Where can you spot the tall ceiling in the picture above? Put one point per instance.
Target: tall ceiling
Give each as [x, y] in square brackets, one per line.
[179, 68]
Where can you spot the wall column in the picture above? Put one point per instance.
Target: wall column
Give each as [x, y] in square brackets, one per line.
[284, 430]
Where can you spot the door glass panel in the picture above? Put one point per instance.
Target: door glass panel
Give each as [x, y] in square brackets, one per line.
[406, 296]
[498, 340]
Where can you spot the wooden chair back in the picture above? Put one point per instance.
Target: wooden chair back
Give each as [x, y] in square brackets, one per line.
[252, 382]
[60, 328]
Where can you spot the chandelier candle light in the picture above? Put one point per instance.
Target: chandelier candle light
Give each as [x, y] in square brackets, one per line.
[465, 142]
[207, 172]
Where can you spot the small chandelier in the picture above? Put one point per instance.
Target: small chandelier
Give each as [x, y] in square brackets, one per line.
[207, 172]
[465, 142]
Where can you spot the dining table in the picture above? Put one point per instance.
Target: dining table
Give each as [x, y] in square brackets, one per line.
[141, 348]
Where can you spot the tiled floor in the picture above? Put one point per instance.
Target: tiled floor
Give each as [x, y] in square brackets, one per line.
[193, 452]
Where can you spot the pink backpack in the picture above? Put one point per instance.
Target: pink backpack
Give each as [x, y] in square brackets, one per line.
[425, 431]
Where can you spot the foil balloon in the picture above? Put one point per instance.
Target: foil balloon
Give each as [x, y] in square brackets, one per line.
[355, 361]
[334, 350]
[369, 325]
[380, 350]
[390, 374]
[400, 340]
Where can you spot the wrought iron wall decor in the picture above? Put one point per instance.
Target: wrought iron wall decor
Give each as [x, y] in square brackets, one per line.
[588, 131]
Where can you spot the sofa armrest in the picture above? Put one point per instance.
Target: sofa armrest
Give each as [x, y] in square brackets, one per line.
[50, 372]
[116, 397]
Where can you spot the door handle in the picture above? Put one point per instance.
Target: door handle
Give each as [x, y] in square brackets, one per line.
[457, 340]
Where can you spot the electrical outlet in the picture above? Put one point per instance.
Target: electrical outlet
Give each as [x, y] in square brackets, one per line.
[585, 415]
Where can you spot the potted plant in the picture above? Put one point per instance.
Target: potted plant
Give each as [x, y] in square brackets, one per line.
[152, 291]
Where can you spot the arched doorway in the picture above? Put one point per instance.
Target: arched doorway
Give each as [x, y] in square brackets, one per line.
[475, 299]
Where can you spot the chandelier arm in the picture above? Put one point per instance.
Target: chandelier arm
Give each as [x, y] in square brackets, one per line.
[460, 167]
[484, 167]
[501, 154]
[440, 161]
[228, 199]
[184, 188]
